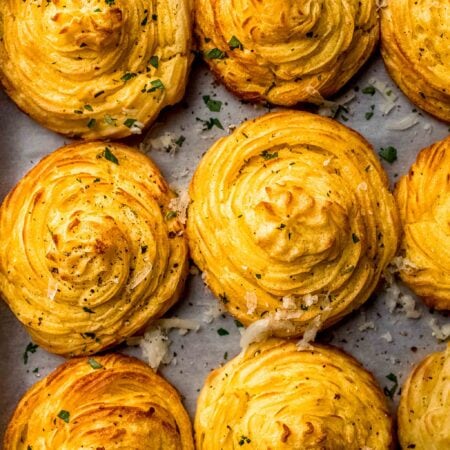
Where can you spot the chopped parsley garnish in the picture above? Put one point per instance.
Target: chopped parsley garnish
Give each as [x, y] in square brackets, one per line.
[64, 415]
[389, 154]
[154, 17]
[390, 392]
[31, 348]
[157, 84]
[258, 275]
[128, 76]
[109, 155]
[78, 111]
[222, 332]
[110, 120]
[370, 90]
[144, 249]
[234, 43]
[88, 107]
[282, 225]
[238, 324]
[129, 122]
[171, 215]
[144, 21]
[369, 115]
[98, 94]
[91, 123]
[267, 155]
[94, 363]
[212, 122]
[355, 238]
[213, 105]
[180, 141]
[225, 356]
[88, 310]
[154, 61]
[215, 53]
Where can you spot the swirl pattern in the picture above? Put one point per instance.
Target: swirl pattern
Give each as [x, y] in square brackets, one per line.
[423, 197]
[273, 396]
[424, 411]
[89, 248]
[112, 401]
[95, 68]
[291, 218]
[415, 38]
[287, 51]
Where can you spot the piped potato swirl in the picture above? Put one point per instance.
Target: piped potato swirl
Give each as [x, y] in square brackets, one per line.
[110, 402]
[291, 218]
[415, 45]
[424, 411]
[273, 396]
[95, 68]
[286, 52]
[423, 197]
[90, 250]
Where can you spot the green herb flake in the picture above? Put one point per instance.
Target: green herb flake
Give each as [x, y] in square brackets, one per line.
[215, 53]
[267, 155]
[222, 332]
[110, 120]
[30, 348]
[389, 154]
[129, 122]
[171, 215]
[94, 363]
[258, 275]
[238, 324]
[369, 90]
[389, 392]
[369, 115]
[88, 310]
[64, 415]
[154, 17]
[213, 105]
[355, 238]
[156, 84]
[154, 61]
[88, 108]
[180, 141]
[144, 249]
[78, 111]
[225, 356]
[110, 2]
[211, 123]
[91, 123]
[234, 43]
[128, 76]
[144, 21]
[109, 155]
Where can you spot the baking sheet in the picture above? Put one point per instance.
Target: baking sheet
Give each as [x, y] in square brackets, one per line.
[23, 143]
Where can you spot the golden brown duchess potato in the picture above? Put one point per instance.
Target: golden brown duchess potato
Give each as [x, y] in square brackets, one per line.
[424, 411]
[286, 51]
[272, 396]
[291, 219]
[110, 402]
[423, 197]
[415, 43]
[89, 253]
[95, 68]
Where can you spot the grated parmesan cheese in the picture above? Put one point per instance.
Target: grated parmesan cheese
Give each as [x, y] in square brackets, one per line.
[212, 311]
[440, 332]
[155, 343]
[387, 337]
[262, 329]
[180, 205]
[252, 302]
[404, 123]
[310, 334]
